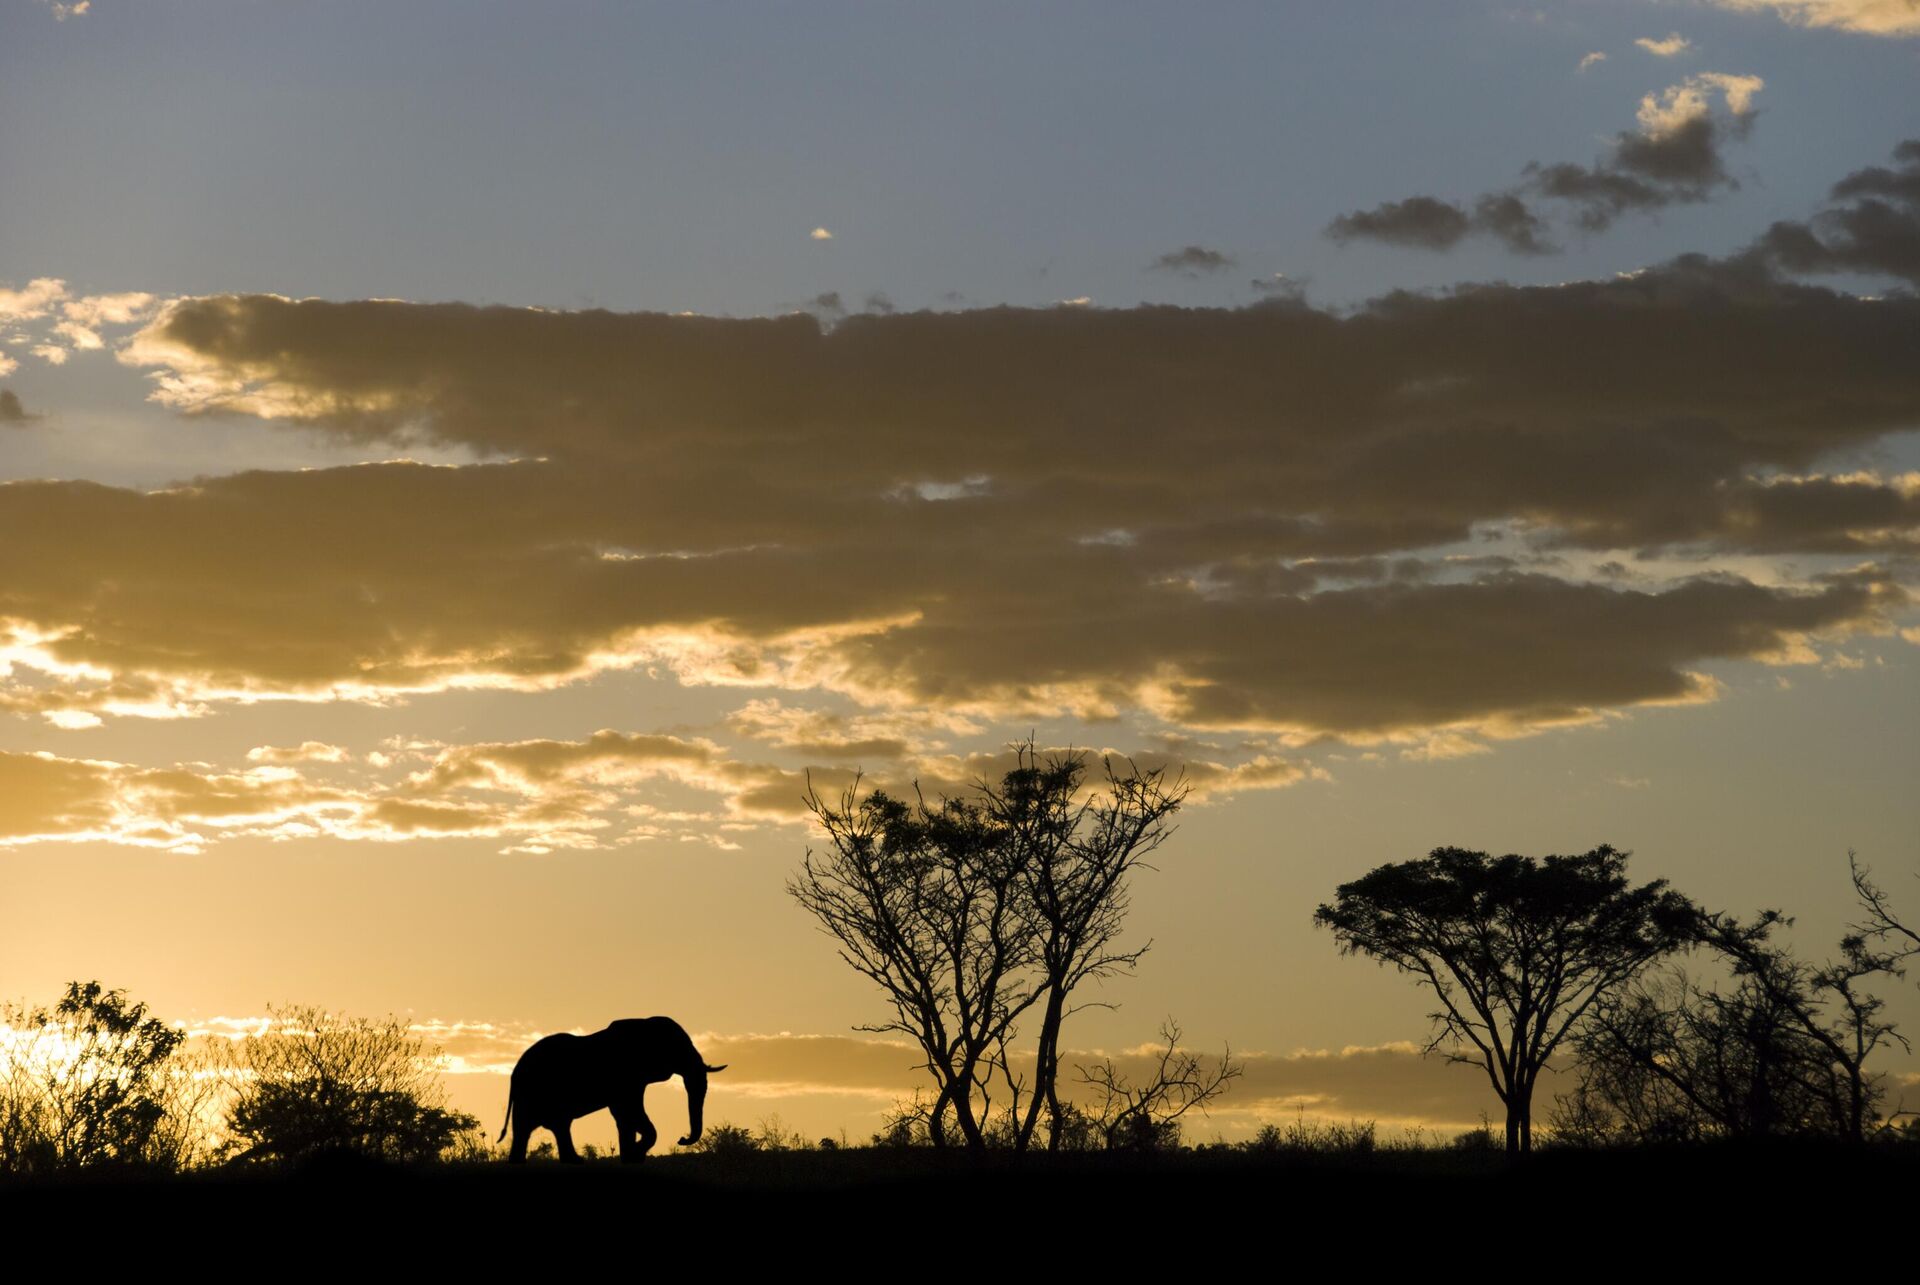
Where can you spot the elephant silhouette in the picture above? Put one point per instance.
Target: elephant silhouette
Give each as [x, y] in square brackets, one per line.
[563, 1077]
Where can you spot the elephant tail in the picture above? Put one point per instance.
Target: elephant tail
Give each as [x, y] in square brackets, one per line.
[509, 1120]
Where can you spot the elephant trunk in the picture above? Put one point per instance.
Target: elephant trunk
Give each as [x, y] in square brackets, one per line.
[696, 1079]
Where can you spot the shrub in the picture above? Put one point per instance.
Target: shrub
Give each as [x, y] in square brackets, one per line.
[314, 1083]
[94, 1081]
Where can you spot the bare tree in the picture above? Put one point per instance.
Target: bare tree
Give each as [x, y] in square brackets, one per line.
[1780, 1051]
[1075, 851]
[970, 912]
[923, 900]
[1881, 924]
[1828, 1006]
[1144, 1115]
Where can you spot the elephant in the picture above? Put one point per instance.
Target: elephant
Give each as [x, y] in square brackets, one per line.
[563, 1077]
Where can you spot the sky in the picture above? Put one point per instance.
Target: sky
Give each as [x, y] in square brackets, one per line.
[463, 466]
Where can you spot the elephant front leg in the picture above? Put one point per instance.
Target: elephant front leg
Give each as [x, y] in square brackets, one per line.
[631, 1121]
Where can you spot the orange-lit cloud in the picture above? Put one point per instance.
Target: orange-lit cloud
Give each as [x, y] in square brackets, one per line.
[533, 795]
[1867, 17]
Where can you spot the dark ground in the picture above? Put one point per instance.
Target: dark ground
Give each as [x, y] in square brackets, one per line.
[1444, 1209]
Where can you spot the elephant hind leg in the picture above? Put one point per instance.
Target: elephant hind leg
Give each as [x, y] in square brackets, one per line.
[563, 1140]
[521, 1132]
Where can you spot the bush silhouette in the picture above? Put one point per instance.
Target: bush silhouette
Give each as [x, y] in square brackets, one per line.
[315, 1083]
[94, 1081]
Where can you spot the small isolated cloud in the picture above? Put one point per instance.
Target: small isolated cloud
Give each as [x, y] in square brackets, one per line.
[1593, 59]
[821, 234]
[11, 411]
[1192, 261]
[1079, 301]
[1865, 17]
[63, 11]
[1672, 47]
[1423, 221]
[1429, 223]
[305, 752]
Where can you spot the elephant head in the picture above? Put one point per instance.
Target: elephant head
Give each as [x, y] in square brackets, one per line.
[695, 1077]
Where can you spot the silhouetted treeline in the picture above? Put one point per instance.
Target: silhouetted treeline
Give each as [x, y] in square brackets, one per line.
[1684, 1026]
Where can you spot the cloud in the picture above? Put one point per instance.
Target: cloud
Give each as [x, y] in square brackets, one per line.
[1193, 261]
[31, 301]
[1423, 221]
[823, 734]
[1865, 17]
[1593, 59]
[1428, 223]
[44, 798]
[820, 234]
[66, 325]
[977, 515]
[11, 411]
[1281, 288]
[110, 309]
[1674, 157]
[1673, 46]
[1872, 226]
[305, 752]
[608, 790]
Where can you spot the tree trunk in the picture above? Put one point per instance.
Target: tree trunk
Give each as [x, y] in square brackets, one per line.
[1046, 1074]
[936, 1117]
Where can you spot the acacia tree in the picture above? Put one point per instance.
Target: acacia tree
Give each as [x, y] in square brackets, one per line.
[970, 912]
[1516, 949]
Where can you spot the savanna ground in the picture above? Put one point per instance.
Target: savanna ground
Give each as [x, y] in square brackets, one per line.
[1369, 1207]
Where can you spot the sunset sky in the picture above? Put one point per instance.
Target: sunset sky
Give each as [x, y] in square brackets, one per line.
[463, 465]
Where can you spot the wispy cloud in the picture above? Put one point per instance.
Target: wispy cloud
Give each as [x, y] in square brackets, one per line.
[1672, 46]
